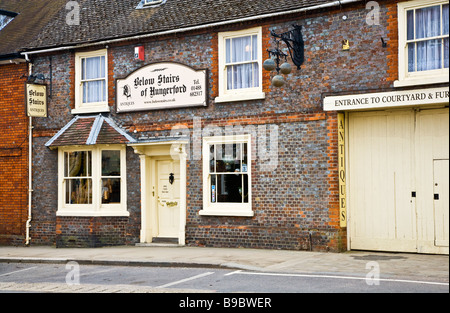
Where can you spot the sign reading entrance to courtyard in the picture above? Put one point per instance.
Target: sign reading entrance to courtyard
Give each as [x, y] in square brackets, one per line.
[164, 85]
[36, 98]
[387, 99]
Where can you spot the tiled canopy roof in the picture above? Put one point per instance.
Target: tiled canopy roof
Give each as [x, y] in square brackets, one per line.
[112, 19]
[90, 130]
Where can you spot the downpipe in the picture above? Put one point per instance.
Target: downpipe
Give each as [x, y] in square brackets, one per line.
[30, 180]
[30, 166]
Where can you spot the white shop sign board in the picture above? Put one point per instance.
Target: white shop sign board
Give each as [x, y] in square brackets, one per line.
[164, 85]
[380, 100]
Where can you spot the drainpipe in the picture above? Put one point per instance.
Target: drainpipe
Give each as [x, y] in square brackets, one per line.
[30, 166]
[30, 177]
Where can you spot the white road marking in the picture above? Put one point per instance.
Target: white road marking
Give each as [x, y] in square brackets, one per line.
[185, 280]
[25, 269]
[336, 277]
[233, 273]
[97, 272]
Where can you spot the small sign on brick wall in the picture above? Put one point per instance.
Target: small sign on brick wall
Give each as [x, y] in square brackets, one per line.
[36, 98]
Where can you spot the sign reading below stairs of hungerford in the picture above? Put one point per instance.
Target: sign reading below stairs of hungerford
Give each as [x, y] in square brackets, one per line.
[164, 85]
[36, 98]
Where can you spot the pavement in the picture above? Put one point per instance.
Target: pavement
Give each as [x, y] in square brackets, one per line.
[419, 267]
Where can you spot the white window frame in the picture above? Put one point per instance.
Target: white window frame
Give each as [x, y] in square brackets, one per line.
[243, 94]
[225, 209]
[94, 107]
[416, 78]
[5, 19]
[97, 208]
[152, 2]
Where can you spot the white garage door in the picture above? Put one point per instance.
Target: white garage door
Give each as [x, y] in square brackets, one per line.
[397, 196]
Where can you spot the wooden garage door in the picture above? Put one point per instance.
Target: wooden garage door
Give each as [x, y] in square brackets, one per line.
[391, 178]
[432, 155]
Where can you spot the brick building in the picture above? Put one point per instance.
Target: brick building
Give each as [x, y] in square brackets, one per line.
[20, 21]
[163, 126]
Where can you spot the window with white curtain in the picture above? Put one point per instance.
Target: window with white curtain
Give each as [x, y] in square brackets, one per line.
[240, 74]
[93, 79]
[91, 82]
[242, 62]
[424, 41]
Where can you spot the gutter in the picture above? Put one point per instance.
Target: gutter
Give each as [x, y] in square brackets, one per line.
[12, 58]
[193, 28]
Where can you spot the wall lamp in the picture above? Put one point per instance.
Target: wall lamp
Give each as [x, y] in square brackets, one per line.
[33, 78]
[294, 41]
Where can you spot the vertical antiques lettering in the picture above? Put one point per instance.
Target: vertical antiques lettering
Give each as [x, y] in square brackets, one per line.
[342, 178]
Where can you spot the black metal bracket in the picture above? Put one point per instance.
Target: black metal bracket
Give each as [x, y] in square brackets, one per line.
[32, 78]
[294, 41]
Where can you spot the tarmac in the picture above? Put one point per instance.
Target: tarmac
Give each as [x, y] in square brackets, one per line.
[418, 267]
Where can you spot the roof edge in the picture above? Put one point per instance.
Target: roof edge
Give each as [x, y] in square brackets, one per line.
[31, 51]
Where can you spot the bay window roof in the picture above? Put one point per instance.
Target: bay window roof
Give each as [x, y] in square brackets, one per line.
[90, 130]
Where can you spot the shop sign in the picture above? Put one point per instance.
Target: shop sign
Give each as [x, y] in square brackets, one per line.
[36, 98]
[164, 85]
[387, 99]
[342, 174]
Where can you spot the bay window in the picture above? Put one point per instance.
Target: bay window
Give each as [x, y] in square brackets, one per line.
[93, 181]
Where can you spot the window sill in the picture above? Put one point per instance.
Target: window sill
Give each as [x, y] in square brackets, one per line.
[96, 109]
[240, 97]
[231, 212]
[87, 213]
[417, 81]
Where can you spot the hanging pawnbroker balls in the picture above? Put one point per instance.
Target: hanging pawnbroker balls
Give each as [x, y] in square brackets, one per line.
[278, 81]
[286, 68]
[269, 65]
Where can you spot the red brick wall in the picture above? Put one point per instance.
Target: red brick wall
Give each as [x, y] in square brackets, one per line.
[393, 41]
[303, 212]
[13, 154]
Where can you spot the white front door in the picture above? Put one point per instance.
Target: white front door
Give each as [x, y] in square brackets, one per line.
[168, 200]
